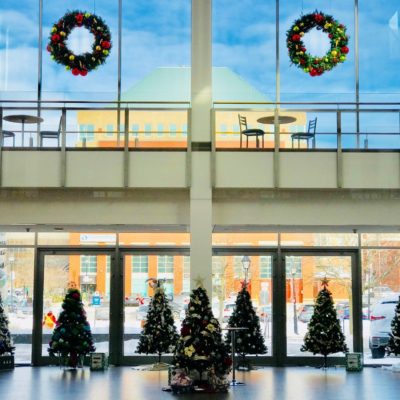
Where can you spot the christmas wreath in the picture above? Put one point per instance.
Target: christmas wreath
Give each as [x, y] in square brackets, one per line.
[316, 66]
[83, 63]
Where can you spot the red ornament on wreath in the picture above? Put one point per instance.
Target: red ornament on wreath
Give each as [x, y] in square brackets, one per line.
[316, 66]
[80, 64]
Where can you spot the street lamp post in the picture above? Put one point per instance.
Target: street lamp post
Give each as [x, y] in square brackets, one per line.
[293, 272]
[246, 266]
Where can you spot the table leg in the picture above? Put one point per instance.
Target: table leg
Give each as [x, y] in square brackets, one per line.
[234, 381]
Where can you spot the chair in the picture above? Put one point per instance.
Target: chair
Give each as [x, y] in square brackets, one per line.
[7, 134]
[51, 134]
[310, 134]
[249, 132]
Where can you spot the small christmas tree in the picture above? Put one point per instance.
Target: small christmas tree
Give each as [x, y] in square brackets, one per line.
[159, 334]
[324, 335]
[6, 345]
[72, 337]
[394, 341]
[201, 348]
[249, 341]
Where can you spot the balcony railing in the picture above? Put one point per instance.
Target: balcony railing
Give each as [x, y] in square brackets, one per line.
[106, 125]
[340, 126]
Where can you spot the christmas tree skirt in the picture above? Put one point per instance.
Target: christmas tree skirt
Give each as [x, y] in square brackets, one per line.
[152, 367]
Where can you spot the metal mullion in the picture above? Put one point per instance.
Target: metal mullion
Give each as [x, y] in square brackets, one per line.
[38, 286]
[117, 316]
[356, 287]
[279, 310]
[126, 149]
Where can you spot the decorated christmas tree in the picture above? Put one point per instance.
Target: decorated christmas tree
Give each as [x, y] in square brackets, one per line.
[72, 337]
[250, 340]
[201, 355]
[6, 345]
[394, 341]
[324, 335]
[159, 334]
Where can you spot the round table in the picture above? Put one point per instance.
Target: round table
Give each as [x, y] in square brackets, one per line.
[233, 330]
[23, 119]
[282, 119]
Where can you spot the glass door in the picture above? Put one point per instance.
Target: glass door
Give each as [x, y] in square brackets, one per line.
[139, 268]
[230, 271]
[88, 271]
[304, 275]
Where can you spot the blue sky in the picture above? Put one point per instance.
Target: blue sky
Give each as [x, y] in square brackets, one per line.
[158, 33]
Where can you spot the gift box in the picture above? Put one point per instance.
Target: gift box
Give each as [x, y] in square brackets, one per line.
[6, 362]
[354, 362]
[98, 361]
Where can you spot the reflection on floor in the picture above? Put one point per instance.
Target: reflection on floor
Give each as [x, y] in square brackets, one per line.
[123, 383]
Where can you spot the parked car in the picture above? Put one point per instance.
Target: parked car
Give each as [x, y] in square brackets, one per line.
[381, 317]
[343, 311]
[306, 312]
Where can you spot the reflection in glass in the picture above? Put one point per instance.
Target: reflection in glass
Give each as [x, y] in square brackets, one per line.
[16, 289]
[229, 273]
[380, 294]
[174, 270]
[303, 282]
[88, 273]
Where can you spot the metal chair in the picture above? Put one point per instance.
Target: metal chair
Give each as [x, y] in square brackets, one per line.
[7, 134]
[310, 134]
[51, 134]
[249, 132]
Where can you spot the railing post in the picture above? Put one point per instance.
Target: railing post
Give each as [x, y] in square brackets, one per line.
[189, 149]
[63, 169]
[276, 148]
[126, 148]
[213, 149]
[339, 155]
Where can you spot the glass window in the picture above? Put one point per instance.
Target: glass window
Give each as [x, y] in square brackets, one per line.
[109, 130]
[172, 129]
[135, 130]
[380, 239]
[265, 267]
[88, 264]
[293, 266]
[186, 275]
[101, 83]
[140, 264]
[238, 267]
[19, 50]
[147, 130]
[165, 264]
[160, 130]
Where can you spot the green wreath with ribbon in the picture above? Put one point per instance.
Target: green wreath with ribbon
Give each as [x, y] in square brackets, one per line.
[83, 63]
[298, 54]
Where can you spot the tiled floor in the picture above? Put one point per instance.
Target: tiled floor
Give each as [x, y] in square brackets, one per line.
[123, 383]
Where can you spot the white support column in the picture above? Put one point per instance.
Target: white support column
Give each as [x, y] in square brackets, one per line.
[201, 192]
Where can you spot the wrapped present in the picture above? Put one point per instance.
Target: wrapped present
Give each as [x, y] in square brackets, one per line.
[98, 361]
[180, 381]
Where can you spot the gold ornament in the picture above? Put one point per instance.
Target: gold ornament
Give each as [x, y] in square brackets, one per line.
[71, 57]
